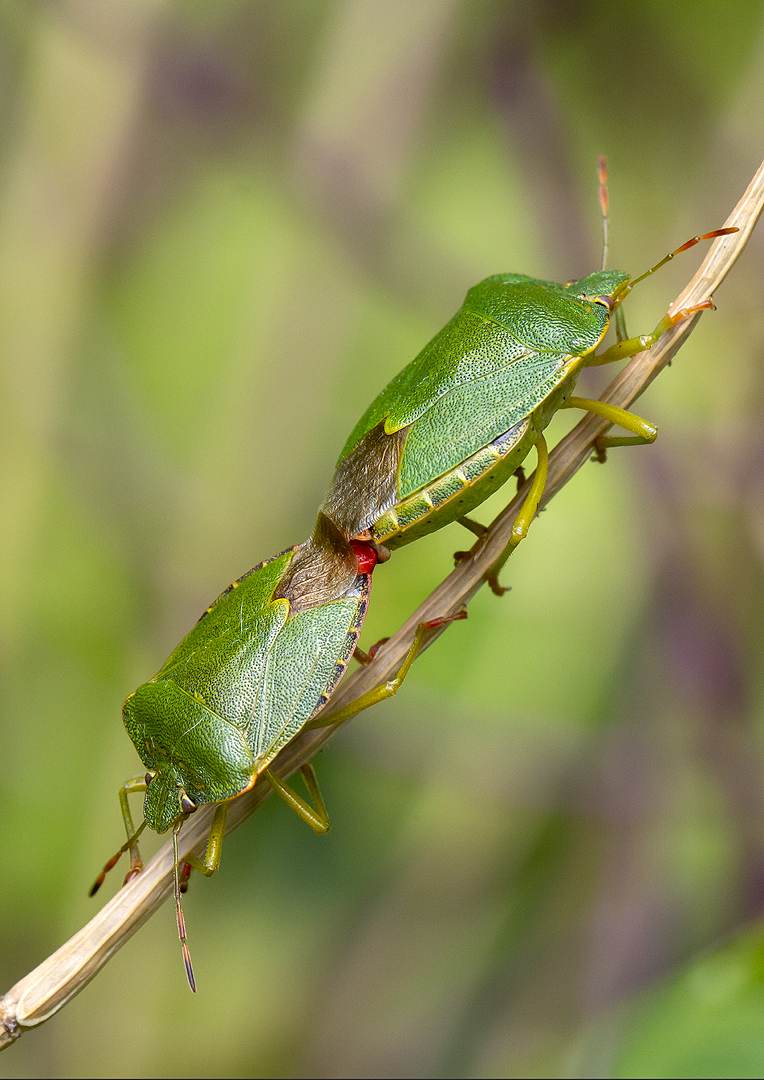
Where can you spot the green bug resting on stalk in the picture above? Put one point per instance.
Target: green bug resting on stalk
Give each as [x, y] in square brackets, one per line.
[455, 424]
[258, 667]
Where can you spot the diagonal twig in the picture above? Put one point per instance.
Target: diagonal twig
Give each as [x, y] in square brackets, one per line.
[39, 995]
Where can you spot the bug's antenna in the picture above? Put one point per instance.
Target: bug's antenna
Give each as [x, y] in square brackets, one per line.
[602, 172]
[690, 243]
[115, 859]
[179, 910]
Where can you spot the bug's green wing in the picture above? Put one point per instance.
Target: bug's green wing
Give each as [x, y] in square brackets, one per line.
[309, 656]
[506, 322]
[222, 660]
[188, 723]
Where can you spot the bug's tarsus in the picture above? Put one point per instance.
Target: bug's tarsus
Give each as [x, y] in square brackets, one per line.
[685, 313]
[443, 620]
[134, 870]
[492, 581]
[600, 451]
[377, 646]
[317, 818]
[477, 529]
[367, 657]
[185, 874]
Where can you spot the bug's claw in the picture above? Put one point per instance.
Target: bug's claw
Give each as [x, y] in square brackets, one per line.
[376, 647]
[600, 452]
[132, 872]
[493, 584]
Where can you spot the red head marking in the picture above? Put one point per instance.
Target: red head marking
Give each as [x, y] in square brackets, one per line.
[366, 556]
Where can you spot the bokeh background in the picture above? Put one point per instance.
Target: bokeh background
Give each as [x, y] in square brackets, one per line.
[224, 225]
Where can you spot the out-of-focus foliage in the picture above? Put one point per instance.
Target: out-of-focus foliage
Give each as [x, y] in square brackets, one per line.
[224, 225]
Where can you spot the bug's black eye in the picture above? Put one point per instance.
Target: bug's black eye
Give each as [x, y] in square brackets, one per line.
[149, 777]
[187, 805]
[606, 300]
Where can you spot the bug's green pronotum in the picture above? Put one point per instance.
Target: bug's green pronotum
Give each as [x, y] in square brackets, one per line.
[259, 666]
[456, 423]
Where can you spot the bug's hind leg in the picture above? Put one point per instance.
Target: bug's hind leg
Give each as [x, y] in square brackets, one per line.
[211, 861]
[386, 689]
[318, 819]
[492, 581]
[643, 431]
[479, 531]
[523, 520]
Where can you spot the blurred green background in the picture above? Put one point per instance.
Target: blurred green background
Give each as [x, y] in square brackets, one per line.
[224, 225]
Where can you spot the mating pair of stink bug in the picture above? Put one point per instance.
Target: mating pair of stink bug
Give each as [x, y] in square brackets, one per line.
[264, 659]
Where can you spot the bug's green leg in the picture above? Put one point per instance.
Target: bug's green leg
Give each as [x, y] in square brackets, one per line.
[138, 783]
[525, 517]
[211, 861]
[644, 432]
[391, 687]
[631, 346]
[318, 819]
[530, 506]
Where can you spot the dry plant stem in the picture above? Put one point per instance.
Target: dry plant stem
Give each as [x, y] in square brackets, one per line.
[42, 993]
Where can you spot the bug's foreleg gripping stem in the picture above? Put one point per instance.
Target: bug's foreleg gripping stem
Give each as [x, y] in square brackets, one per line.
[631, 346]
[138, 783]
[211, 861]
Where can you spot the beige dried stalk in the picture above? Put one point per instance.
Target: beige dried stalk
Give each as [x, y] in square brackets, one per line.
[42, 993]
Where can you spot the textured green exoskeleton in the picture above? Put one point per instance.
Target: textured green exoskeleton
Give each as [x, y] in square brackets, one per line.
[455, 424]
[238, 688]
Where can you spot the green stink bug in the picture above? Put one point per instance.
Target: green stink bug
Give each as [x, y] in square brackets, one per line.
[258, 667]
[456, 423]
